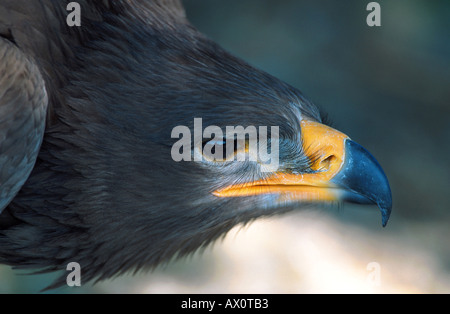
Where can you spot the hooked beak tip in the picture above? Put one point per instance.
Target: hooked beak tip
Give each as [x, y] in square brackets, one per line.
[365, 180]
[385, 214]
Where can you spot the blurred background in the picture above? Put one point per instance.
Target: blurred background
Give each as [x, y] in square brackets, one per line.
[388, 88]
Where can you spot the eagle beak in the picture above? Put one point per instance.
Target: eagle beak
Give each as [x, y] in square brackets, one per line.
[363, 180]
[342, 170]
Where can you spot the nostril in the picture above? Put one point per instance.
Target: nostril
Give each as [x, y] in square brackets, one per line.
[326, 163]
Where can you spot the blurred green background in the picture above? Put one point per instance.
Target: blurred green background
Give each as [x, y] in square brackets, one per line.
[386, 87]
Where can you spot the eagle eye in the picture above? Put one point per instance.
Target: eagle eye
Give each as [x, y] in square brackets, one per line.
[217, 150]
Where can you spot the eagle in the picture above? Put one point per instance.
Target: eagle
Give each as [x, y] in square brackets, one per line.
[87, 120]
